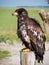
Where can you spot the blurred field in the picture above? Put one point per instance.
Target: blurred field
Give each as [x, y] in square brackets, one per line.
[8, 23]
[4, 54]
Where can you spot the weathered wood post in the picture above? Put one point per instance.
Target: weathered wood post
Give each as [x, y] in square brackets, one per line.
[27, 57]
[45, 17]
[46, 26]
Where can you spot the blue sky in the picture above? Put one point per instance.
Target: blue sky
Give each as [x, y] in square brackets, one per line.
[14, 3]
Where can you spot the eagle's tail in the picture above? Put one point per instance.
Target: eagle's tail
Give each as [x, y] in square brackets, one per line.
[39, 51]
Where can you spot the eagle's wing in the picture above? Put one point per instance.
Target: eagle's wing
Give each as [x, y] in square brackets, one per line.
[25, 33]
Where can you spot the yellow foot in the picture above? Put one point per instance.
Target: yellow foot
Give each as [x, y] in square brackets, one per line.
[26, 49]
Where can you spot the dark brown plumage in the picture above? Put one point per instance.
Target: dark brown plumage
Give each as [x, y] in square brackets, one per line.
[31, 33]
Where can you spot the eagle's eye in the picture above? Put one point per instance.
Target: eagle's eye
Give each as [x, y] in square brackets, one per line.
[24, 13]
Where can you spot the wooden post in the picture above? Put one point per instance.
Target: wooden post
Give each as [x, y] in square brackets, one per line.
[46, 26]
[27, 57]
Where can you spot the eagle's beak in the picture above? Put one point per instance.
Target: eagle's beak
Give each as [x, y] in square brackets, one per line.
[15, 14]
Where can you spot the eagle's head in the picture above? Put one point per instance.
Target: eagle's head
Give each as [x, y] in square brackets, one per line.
[20, 13]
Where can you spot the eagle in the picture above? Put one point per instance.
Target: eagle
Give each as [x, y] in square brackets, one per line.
[30, 33]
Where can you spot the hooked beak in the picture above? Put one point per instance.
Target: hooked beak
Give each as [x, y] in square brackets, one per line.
[15, 14]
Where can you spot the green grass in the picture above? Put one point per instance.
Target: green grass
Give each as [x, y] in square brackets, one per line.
[4, 54]
[47, 37]
[9, 36]
[8, 23]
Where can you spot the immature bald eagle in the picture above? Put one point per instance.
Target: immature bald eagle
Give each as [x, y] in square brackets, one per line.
[31, 33]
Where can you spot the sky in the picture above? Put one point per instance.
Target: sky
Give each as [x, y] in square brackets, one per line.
[14, 3]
